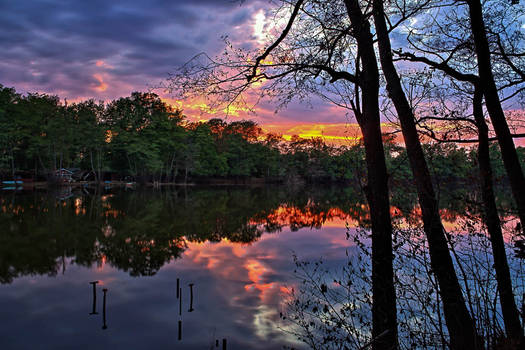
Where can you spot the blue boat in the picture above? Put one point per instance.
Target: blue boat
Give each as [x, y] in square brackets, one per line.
[12, 182]
[12, 188]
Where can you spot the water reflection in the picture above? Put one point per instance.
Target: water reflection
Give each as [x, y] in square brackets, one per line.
[141, 231]
[219, 247]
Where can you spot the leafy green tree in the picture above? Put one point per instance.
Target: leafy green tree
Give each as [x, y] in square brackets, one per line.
[9, 136]
[44, 133]
[89, 136]
[133, 122]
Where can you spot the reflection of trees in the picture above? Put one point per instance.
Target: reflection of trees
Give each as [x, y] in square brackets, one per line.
[313, 207]
[140, 231]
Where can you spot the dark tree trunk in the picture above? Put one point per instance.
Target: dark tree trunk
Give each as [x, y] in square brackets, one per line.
[459, 322]
[491, 218]
[99, 166]
[44, 169]
[92, 164]
[169, 174]
[384, 315]
[13, 171]
[493, 104]
[175, 173]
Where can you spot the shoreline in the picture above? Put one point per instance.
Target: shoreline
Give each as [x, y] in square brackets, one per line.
[155, 184]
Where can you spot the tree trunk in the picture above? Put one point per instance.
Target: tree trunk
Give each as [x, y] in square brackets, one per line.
[130, 166]
[169, 171]
[493, 104]
[175, 172]
[99, 165]
[459, 322]
[384, 314]
[46, 171]
[92, 165]
[12, 162]
[54, 160]
[491, 218]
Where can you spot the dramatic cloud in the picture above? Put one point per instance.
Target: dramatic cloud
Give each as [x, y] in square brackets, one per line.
[107, 49]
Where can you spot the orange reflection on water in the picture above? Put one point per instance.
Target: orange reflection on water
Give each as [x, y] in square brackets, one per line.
[79, 209]
[256, 271]
[101, 263]
[304, 217]
[17, 209]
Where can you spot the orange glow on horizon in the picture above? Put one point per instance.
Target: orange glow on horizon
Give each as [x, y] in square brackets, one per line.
[198, 109]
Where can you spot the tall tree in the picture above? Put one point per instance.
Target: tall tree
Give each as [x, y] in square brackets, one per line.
[460, 324]
[508, 304]
[457, 42]
[493, 104]
[459, 67]
[384, 318]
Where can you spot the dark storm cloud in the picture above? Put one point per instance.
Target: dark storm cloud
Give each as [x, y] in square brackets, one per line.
[54, 46]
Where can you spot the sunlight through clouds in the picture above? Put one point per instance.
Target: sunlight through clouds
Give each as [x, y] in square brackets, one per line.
[259, 27]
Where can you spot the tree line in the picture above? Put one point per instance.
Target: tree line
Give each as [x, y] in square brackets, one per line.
[141, 137]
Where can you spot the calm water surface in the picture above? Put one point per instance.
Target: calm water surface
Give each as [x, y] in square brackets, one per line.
[234, 245]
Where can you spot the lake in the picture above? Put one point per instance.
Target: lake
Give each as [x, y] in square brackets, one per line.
[234, 244]
[230, 250]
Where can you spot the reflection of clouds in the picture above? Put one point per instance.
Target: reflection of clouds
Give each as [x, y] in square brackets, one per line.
[264, 322]
[239, 291]
[243, 272]
[256, 270]
[258, 276]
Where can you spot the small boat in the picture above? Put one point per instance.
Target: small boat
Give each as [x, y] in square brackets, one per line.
[13, 182]
[12, 188]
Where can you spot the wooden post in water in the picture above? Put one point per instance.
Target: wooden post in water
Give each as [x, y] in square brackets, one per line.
[180, 330]
[94, 310]
[191, 297]
[178, 286]
[180, 301]
[224, 344]
[104, 326]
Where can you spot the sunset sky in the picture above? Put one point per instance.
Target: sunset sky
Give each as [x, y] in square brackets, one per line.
[107, 49]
